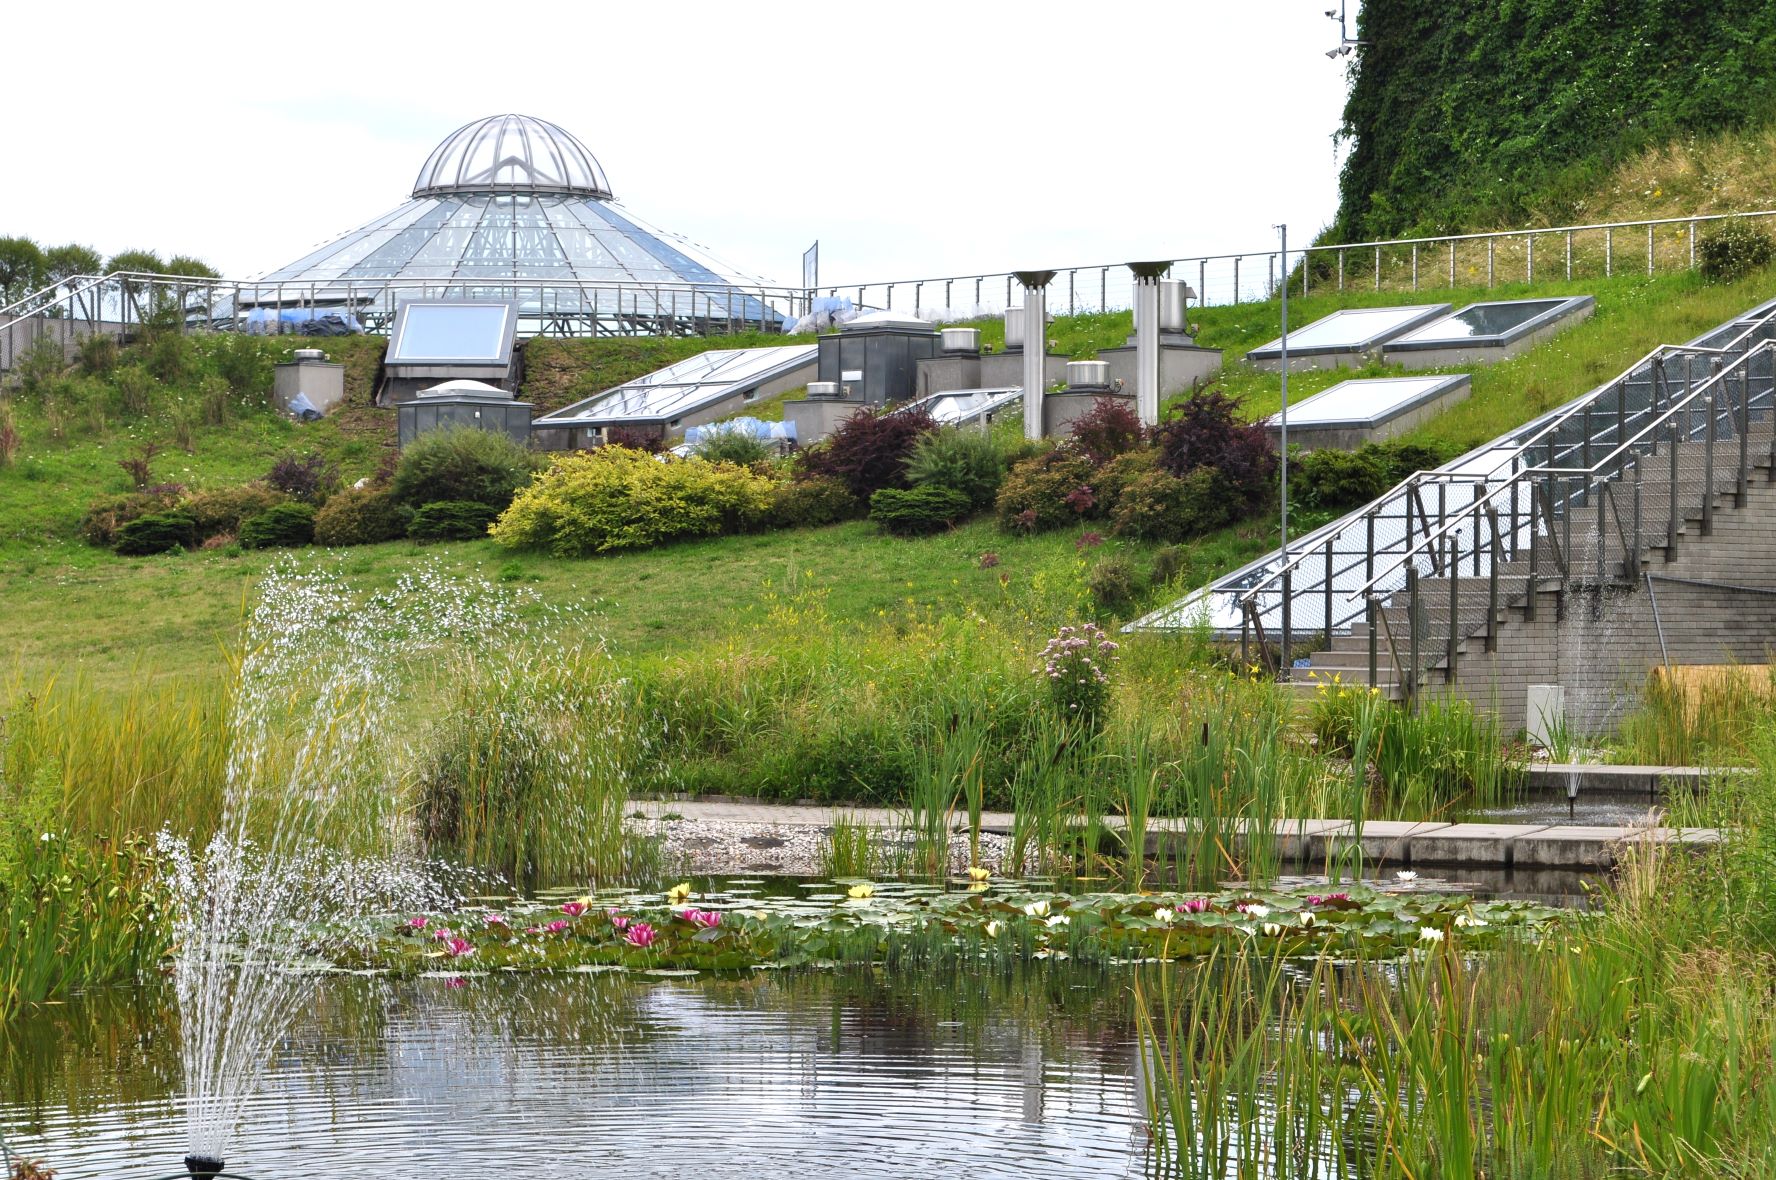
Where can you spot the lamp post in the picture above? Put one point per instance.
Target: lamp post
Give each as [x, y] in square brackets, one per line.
[1035, 347]
[1283, 447]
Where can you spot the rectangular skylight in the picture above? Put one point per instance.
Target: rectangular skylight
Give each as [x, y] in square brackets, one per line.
[686, 386]
[1495, 323]
[965, 405]
[1355, 329]
[453, 333]
[1366, 400]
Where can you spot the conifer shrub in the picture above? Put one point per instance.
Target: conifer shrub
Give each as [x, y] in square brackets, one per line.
[156, 532]
[965, 461]
[282, 526]
[917, 512]
[451, 520]
[106, 514]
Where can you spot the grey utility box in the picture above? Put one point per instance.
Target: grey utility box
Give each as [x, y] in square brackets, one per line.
[876, 356]
[311, 375]
[463, 403]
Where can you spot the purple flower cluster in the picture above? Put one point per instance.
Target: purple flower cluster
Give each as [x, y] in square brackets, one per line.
[1076, 663]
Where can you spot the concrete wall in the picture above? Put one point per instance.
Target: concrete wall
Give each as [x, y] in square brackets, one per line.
[18, 338]
[817, 417]
[1182, 368]
[1060, 410]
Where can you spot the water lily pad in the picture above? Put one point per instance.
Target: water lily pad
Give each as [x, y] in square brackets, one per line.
[670, 972]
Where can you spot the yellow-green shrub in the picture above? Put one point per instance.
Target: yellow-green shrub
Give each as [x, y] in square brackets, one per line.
[618, 498]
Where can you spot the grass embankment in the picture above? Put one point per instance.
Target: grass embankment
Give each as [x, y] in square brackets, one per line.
[558, 373]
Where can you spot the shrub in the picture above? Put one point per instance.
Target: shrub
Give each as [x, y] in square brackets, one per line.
[733, 446]
[1733, 249]
[223, 509]
[635, 438]
[1111, 583]
[139, 465]
[819, 500]
[1110, 428]
[362, 516]
[1205, 431]
[96, 354]
[156, 532]
[870, 449]
[281, 526]
[1330, 478]
[1044, 492]
[308, 478]
[135, 388]
[451, 520]
[1168, 563]
[965, 461]
[915, 512]
[462, 463]
[617, 498]
[1161, 507]
[1114, 477]
[105, 515]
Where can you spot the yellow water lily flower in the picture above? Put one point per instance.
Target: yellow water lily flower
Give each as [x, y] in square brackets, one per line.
[860, 891]
[977, 873]
[679, 892]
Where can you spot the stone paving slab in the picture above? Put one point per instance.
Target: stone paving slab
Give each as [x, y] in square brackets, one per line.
[1309, 839]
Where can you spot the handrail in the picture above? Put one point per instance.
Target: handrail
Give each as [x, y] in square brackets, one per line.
[1682, 405]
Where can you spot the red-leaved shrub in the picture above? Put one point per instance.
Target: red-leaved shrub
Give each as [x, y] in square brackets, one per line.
[1110, 428]
[869, 450]
[1206, 431]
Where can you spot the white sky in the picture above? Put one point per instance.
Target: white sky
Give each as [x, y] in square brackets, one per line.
[895, 134]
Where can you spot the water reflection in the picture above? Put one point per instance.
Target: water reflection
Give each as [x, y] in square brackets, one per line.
[775, 1073]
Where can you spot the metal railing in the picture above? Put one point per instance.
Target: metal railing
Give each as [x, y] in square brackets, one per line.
[1394, 264]
[1574, 500]
[125, 301]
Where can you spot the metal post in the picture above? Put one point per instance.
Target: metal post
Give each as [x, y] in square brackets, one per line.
[1413, 615]
[1341, 271]
[1072, 299]
[1489, 245]
[1529, 258]
[1378, 268]
[1634, 563]
[1649, 249]
[1671, 524]
[1599, 488]
[1374, 645]
[1236, 278]
[1035, 348]
[1328, 592]
[1492, 585]
[1708, 464]
[1454, 588]
[1147, 277]
[1744, 486]
[1585, 442]
[1569, 255]
[1283, 418]
[1202, 283]
[1287, 661]
[1529, 601]
[1452, 262]
[1609, 251]
[1692, 245]
[1415, 266]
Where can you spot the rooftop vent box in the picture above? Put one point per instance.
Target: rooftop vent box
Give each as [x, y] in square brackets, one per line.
[884, 348]
[464, 403]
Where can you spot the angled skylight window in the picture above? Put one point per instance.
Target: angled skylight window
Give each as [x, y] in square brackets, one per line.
[1352, 330]
[1367, 400]
[473, 333]
[1496, 323]
[685, 387]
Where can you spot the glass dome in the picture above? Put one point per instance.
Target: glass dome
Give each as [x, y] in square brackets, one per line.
[511, 154]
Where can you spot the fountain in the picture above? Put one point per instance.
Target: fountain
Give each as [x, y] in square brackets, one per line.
[309, 840]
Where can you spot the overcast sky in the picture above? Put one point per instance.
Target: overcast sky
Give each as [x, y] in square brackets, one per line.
[911, 139]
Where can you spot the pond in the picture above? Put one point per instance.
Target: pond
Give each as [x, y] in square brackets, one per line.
[768, 1073]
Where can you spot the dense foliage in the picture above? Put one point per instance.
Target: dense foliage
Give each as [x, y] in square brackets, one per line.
[870, 449]
[462, 463]
[967, 462]
[1731, 250]
[616, 498]
[362, 516]
[451, 520]
[1474, 113]
[917, 512]
[284, 525]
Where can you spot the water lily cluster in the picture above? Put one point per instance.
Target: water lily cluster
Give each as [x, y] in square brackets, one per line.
[863, 921]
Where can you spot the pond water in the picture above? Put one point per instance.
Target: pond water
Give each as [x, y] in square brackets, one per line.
[774, 1073]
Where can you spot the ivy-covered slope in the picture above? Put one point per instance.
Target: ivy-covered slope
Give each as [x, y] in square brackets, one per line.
[1477, 113]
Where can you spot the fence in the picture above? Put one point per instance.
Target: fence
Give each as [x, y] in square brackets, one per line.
[1398, 265]
[124, 302]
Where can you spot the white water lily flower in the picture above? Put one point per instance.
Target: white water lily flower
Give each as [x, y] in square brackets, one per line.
[1258, 911]
[1273, 928]
[1430, 934]
[1469, 920]
[1307, 918]
[993, 928]
[1037, 909]
[1059, 920]
[1164, 916]
[1406, 875]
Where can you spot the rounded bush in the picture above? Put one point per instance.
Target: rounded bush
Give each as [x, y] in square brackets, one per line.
[966, 461]
[804, 503]
[1112, 584]
[1049, 491]
[283, 526]
[870, 449]
[107, 514]
[451, 520]
[157, 532]
[361, 516]
[462, 463]
[223, 509]
[1161, 507]
[1732, 250]
[915, 512]
[1330, 478]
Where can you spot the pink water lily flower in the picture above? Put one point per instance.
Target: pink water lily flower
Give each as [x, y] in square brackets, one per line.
[1194, 905]
[574, 909]
[617, 920]
[702, 919]
[442, 933]
[1318, 900]
[557, 926]
[418, 923]
[533, 930]
[494, 919]
[456, 948]
[640, 934]
[457, 981]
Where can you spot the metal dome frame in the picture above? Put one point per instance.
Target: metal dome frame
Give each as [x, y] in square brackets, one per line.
[512, 153]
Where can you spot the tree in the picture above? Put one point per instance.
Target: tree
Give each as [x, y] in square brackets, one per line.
[63, 264]
[21, 269]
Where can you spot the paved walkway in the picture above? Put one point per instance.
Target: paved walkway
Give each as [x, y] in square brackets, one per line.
[1395, 842]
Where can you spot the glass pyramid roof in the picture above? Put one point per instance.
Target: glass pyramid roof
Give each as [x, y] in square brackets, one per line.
[511, 202]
